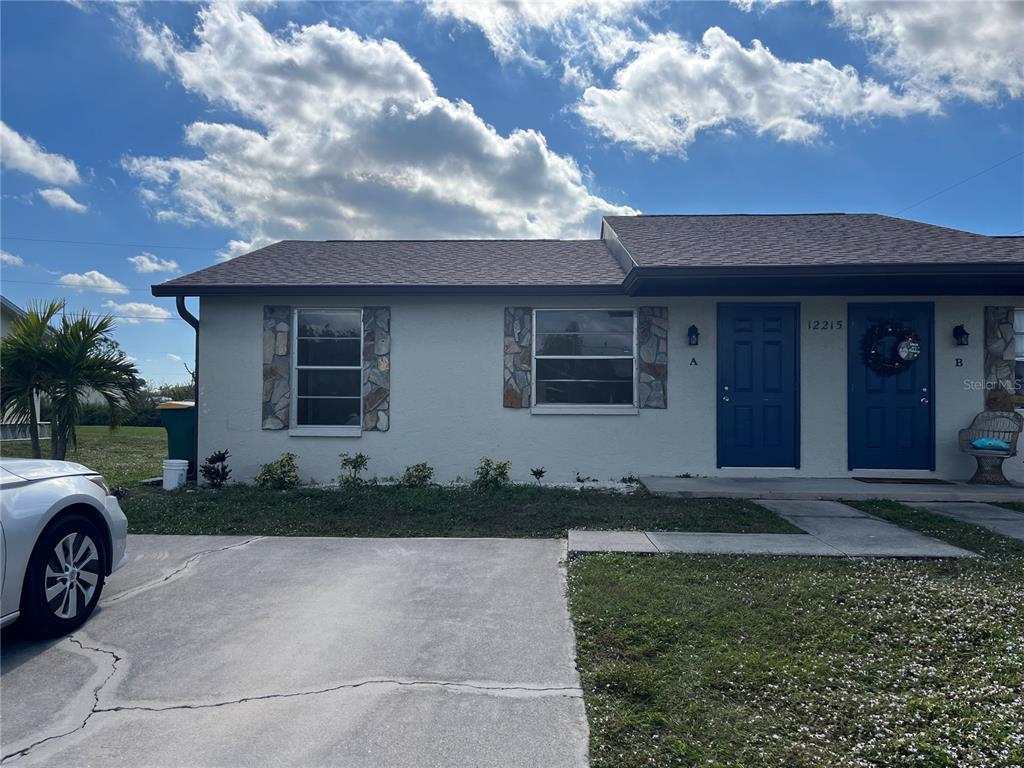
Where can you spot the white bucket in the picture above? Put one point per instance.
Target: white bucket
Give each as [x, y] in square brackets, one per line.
[175, 471]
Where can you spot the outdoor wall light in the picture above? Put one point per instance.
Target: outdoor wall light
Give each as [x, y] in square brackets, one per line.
[961, 336]
[692, 336]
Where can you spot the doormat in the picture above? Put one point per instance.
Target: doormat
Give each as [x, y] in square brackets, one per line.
[904, 480]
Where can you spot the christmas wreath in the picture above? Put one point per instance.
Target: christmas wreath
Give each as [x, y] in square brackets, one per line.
[903, 353]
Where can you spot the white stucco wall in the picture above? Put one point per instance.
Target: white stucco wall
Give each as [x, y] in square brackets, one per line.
[446, 393]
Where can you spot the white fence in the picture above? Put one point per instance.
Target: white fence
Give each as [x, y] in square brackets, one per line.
[10, 432]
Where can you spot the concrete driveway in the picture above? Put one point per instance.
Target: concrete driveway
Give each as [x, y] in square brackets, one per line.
[225, 651]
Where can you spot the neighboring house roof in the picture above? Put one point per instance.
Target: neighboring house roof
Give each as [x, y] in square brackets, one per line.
[11, 308]
[735, 254]
[815, 239]
[373, 265]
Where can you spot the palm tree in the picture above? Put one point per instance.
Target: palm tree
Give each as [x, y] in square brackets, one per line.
[79, 359]
[64, 363]
[24, 367]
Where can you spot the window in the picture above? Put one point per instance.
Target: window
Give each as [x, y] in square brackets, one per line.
[1018, 376]
[328, 367]
[584, 357]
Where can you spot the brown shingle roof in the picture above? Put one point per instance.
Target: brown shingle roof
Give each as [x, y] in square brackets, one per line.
[411, 264]
[701, 243]
[739, 240]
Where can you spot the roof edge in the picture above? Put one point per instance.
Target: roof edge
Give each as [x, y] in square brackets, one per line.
[164, 290]
[615, 246]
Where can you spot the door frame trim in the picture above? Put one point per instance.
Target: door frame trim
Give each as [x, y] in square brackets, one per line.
[795, 306]
[930, 305]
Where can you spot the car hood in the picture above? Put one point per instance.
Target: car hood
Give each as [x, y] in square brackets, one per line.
[43, 469]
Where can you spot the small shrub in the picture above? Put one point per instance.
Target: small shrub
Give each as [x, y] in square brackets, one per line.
[492, 474]
[584, 479]
[418, 475]
[630, 479]
[538, 474]
[351, 466]
[279, 475]
[215, 469]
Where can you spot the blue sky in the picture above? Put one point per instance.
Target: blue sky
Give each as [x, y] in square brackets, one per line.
[191, 133]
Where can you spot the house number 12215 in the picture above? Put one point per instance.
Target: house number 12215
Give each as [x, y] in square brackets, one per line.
[824, 325]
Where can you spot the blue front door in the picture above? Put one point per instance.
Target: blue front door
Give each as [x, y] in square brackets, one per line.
[758, 390]
[890, 412]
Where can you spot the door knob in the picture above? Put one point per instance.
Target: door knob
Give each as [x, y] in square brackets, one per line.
[924, 400]
[725, 398]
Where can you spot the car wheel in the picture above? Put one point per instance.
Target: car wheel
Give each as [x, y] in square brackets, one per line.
[65, 577]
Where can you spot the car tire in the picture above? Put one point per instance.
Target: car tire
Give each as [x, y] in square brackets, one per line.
[65, 577]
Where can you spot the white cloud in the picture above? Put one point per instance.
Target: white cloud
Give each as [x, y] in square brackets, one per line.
[673, 90]
[238, 247]
[92, 281]
[147, 262]
[971, 50]
[586, 32]
[11, 260]
[175, 358]
[134, 312]
[58, 198]
[346, 138]
[23, 153]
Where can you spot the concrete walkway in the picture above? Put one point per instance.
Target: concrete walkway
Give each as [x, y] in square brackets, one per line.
[653, 542]
[1005, 522]
[833, 488]
[833, 530]
[857, 533]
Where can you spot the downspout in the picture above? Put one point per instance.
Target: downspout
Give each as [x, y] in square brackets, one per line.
[188, 317]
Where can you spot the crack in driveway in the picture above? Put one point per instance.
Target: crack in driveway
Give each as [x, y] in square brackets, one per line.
[115, 659]
[571, 692]
[192, 559]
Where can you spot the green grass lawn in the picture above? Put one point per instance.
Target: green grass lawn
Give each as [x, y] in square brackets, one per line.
[385, 510]
[124, 456]
[788, 661]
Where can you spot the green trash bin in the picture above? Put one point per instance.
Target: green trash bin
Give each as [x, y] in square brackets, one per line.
[179, 418]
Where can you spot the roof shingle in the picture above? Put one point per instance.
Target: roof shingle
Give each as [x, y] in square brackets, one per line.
[745, 240]
[413, 263]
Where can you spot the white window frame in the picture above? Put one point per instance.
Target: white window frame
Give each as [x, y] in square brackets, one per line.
[584, 409]
[322, 430]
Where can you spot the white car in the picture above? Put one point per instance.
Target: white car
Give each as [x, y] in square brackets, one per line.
[61, 534]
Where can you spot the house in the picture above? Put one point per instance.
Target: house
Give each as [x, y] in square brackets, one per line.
[9, 314]
[824, 345]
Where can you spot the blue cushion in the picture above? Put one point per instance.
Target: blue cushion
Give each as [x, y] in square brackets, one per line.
[991, 444]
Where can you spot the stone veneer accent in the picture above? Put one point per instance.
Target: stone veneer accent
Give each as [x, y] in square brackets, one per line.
[377, 368]
[652, 343]
[517, 372]
[1000, 353]
[277, 366]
